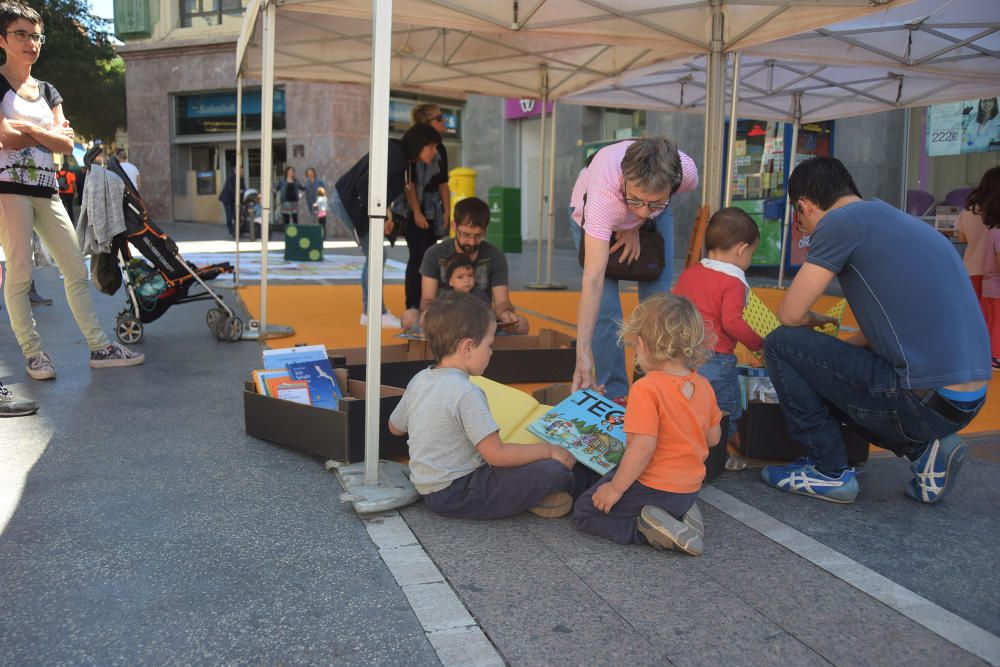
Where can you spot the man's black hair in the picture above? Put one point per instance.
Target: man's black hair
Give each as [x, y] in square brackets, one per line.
[12, 11]
[417, 137]
[822, 180]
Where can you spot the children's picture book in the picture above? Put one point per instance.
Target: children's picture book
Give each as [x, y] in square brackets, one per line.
[413, 333]
[763, 321]
[587, 424]
[324, 392]
[261, 378]
[281, 357]
[291, 390]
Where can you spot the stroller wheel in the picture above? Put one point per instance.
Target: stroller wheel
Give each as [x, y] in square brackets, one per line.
[213, 316]
[128, 329]
[220, 327]
[233, 328]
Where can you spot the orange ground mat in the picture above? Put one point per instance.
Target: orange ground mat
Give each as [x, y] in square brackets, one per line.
[329, 314]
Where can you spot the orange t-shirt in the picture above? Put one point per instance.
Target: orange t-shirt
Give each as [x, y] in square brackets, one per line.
[657, 407]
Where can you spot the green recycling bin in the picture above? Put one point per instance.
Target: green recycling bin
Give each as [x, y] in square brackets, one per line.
[504, 230]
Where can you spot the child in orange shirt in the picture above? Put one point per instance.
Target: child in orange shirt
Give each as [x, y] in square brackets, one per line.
[671, 420]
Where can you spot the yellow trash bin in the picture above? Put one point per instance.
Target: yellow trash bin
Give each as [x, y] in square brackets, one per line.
[462, 183]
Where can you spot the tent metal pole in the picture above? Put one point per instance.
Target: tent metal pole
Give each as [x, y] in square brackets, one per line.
[541, 177]
[786, 228]
[378, 157]
[552, 201]
[905, 175]
[730, 153]
[266, 168]
[714, 113]
[549, 219]
[236, 174]
[266, 165]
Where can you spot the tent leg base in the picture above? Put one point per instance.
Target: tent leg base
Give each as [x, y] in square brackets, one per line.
[394, 488]
[263, 333]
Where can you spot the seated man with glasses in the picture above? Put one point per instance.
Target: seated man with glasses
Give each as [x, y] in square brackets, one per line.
[626, 184]
[472, 215]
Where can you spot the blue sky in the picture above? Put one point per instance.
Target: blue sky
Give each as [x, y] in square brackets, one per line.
[103, 8]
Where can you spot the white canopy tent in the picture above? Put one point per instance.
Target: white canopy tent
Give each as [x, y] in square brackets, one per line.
[918, 54]
[924, 52]
[499, 48]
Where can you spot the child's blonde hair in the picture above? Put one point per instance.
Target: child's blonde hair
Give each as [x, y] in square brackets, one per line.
[672, 329]
[321, 192]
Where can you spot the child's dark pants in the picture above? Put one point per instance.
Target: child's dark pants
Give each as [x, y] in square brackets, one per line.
[497, 493]
[619, 525]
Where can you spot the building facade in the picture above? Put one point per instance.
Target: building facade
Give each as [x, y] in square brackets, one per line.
[181, 92]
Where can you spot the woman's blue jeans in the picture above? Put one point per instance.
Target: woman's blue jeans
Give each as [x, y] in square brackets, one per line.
[335, 207]
[609, 356]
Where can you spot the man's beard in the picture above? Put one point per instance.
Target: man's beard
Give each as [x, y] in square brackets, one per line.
[468, 249]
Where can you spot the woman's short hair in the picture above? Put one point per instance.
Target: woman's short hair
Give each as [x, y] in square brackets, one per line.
[822, 180]
[653, 164]
[423, 113]
[418, 136]
[453, 317]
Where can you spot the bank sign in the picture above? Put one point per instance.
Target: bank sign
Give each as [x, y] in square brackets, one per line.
[524, 107]
[223, 105]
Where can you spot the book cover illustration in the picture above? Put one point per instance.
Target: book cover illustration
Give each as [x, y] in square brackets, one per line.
[587, 424]
[281, 357]
[324, 392]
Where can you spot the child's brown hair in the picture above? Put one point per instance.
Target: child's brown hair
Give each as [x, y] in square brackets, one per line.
[729, 227]
[672, 329]
[991, 211]
[453, 317]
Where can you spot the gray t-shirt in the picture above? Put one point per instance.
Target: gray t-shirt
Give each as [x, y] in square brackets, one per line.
[446, 416]
[490, 267]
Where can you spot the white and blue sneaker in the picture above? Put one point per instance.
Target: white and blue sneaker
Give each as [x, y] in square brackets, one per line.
[935, 471]
[802, 477]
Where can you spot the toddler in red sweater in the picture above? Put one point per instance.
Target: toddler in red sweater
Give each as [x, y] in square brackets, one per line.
[718, 288]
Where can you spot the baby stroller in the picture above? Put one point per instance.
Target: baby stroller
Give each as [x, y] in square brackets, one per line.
[166, 279]
[250, 214]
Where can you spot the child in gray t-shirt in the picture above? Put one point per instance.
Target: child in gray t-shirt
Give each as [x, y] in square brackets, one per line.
[457, 461]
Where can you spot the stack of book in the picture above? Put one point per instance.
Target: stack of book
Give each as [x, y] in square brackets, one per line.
[301, 374]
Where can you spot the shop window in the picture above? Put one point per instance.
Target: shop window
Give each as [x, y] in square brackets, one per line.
[399, 116]
[215, 113]
[618, 124]
[208, 12]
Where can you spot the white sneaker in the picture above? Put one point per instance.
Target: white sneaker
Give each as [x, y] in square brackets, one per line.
[389, 321]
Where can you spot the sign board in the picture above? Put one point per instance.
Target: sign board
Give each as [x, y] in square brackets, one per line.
[969, 126]
[517, 108]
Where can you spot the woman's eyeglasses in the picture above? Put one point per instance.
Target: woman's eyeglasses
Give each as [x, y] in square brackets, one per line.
[439, 117]
[632, 202]
[24, 36]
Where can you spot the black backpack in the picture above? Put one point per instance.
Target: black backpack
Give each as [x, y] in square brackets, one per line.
[62, 180]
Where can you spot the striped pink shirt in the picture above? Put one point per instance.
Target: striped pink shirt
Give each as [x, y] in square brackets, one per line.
[604, 186]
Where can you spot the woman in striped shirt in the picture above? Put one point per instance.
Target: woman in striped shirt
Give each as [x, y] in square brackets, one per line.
[626, 184]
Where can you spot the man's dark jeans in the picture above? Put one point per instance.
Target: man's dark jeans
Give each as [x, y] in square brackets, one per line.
[821, 380]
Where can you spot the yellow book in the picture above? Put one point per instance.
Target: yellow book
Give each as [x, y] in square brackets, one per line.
[763, 321]
[512, 409]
